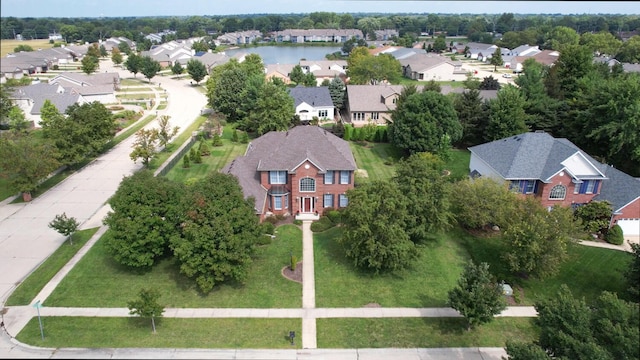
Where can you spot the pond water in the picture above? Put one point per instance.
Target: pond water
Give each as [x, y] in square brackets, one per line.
[287, 54]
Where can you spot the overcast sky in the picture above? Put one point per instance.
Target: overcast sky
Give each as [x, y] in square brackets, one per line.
[120, 8]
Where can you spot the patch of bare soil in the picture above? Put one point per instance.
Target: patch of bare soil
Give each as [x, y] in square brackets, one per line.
[517, 293]
[372, 305]
[295, 275]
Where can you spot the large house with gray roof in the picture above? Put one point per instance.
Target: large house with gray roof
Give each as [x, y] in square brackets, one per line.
[31, 98]
[303, 171]
[557, 172]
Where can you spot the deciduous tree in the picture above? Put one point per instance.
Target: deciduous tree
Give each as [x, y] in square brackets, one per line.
[273, 110]
[420, 178]
[89, 64]
[177, 69]
[145, 146]
[420, 122]
[133, 63]
[220, 226]
[478, 296]
[149, 67]
[507, 116]
[25, 161]
[65, 225]
[374, 235]
[196, 70]
[143, 217]
[116, 56]
[482, 202]
[165, 132]
[147, 306]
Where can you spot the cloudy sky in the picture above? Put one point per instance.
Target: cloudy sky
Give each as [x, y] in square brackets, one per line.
[118, 8]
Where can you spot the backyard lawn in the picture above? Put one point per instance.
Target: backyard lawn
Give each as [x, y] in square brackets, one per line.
[376, 159]
[220, 156]
[98, 281]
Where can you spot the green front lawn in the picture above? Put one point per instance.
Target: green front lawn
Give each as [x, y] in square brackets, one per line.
[587, 272]
[338, 284]
[88, 332]
[32, 285]
[421, 333]
[98, 281]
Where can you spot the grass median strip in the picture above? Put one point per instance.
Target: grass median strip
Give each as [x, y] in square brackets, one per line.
[92, 332]
[32, 285]
[97, 281]
[420, 332]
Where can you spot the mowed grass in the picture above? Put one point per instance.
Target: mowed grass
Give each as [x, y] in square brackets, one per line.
[458, 164]
[421, 333]
[339, 284]
[8, 45]
[220, 156]
[587, 272]
[88, 332]
[376, 159]
[97, 281]
[32, 285]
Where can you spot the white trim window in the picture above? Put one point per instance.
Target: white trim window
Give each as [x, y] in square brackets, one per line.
[375, 116]
[328, 200]
[558, 192]
[329, 177]
[343, 201]
[358, 116]
[307, 184]
[277, 202]
[277, 177]
[323, 113]
[345, 177]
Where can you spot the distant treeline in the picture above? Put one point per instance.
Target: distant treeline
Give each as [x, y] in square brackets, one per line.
[474, 26]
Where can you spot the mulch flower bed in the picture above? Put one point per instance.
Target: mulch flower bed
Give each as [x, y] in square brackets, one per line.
[293, 275]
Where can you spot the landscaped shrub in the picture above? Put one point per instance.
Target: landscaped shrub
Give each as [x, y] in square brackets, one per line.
[334, 215]
[264, 239]
[615, 235]
[321, 225]
[348, 132]
[204, 149]
[185, 162]
[217, 141]
[294, 262]
[267, 228]
[271, 219]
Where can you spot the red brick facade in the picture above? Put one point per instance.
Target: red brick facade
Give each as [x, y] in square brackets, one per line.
[295, 201]
[571, 195]
[631, 211]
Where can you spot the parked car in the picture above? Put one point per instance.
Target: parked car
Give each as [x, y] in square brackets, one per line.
[508, 76]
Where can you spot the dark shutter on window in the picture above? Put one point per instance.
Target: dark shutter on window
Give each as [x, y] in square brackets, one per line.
[596, 186]
[583, 187]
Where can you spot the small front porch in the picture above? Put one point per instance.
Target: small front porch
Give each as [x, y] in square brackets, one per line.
[307, 216]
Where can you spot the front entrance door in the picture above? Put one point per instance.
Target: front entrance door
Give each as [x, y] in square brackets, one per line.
[307, 205]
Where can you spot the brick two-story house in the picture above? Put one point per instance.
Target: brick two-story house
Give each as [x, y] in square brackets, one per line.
[302, 171]
[557, 172]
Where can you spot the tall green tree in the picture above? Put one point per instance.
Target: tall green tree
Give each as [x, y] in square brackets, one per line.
[220, 226]
[630, 50]
[144, 215]
[482, 202]
[473, 116]
[116, 56]
[224, 89]
[145, 146]
[196, 70]
[133, 63]
[374, 236]
[149, 67]
[89, 64]
[65, 225]
[273, 110]
[561, 36]
[477, 296]
[601, 43]
[632, 274]
[420, 122]
[571, 329]
[147, 306]
[365, 68]
[297, 75]
[26, 161]
[177, 69]
[337, 91]
[537, 241]
[419, 178]
[541, 109]
[496, 59]
[83, 132]
[506, 114]
[165, 132]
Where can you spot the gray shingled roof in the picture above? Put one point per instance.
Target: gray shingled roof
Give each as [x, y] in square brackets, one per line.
[39, 93]
[286, 150]
[533, 155]
[620, 188]
[314, 96]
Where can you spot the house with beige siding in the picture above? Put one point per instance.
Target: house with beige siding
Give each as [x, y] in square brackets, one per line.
[370, 104]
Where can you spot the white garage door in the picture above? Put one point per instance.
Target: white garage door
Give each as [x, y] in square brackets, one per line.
[630, 226]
